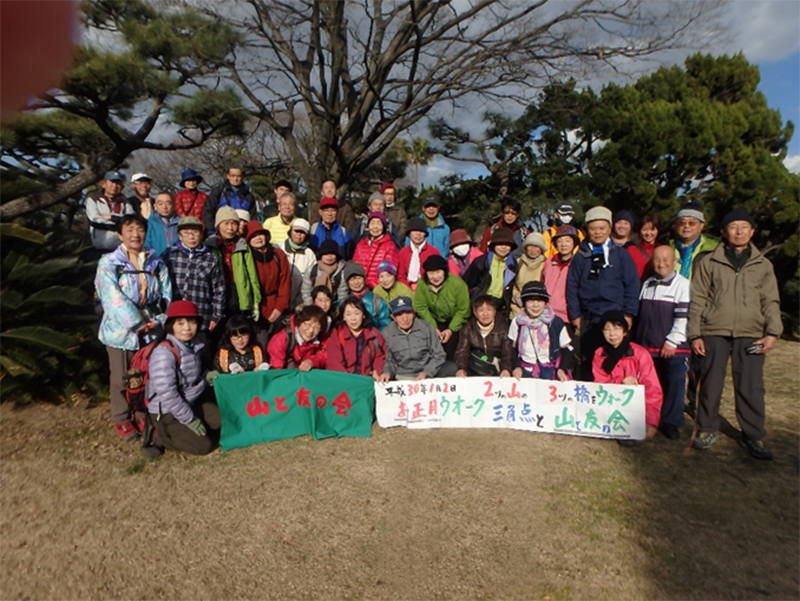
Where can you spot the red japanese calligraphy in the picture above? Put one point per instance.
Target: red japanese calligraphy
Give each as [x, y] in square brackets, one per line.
[280, 403]
[303, 397]
[257, 407]
[342, 404]
[321, 401]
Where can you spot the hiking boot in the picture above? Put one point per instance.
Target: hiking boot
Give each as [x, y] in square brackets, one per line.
[126, 430]
[152, 451]
[756, 448]
[703, 440]
[669, 431]
[628, 443]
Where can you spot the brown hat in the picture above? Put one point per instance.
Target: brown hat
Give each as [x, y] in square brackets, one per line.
[502, 235]
[459, 237]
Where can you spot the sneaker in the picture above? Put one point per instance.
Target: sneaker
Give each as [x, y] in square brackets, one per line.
[139, 423]
[669, 431]
[756, 448]
[126, 430]
[703, 440]
[152, 451]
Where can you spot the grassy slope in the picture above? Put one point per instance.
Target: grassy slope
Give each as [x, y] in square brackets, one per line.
[405, 514]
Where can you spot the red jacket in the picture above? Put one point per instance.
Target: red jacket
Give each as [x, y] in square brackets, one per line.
[370, 254]
[190, 203]
[405, 261]
[643, 260]
[277, 349]
[275, 277]
[342, 351]
[639, 365]
[459, 266]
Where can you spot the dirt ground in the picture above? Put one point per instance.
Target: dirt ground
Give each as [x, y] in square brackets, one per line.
[405, 514]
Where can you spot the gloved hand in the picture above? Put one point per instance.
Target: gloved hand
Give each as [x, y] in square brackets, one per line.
[211, 376]
[235, 368]
[262, 367]
[256, 313]
[197, 427]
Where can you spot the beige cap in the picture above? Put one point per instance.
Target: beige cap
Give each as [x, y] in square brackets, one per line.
[302, 225]
[599, 214]
[225, 214]
[535, 239]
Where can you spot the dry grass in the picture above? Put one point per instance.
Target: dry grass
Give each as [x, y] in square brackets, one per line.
[451, 514]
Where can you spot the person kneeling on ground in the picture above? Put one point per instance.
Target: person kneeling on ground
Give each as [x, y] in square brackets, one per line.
[355, 346]
[181, 408]
[413, 348]
[483, 345]
[620, 361]
[542, 342]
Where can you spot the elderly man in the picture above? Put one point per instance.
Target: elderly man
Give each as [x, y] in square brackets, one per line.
[376, 204]
[104, 211]
[602, 278]
[734, 311]
[141, 200]
[413, 350]
[279, 225]
[328, 228]
[689, 242]
[233, 193]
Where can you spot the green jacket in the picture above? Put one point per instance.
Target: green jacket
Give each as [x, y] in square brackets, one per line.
[743, 304]
[399, 289]
[248, 288]
[451, 305]
[707, 244]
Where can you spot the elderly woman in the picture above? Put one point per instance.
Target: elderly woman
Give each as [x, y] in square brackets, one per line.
[375, 248]
[134, 288]
[484, 348]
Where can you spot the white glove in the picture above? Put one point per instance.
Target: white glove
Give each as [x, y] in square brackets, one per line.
[235, 368]
[262, 367]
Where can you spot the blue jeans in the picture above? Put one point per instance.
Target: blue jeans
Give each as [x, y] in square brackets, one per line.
[672, 376]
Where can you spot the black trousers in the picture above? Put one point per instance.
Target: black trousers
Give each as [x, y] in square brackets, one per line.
[172, 434]
[748, 385]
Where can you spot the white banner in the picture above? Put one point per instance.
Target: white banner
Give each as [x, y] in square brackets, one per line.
[577, 408]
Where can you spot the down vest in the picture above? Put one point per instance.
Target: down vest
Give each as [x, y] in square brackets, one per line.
[172, 388]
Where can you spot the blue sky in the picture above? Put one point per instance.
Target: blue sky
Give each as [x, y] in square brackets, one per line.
[766, 31]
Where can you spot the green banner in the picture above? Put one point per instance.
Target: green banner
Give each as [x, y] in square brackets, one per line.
[284, 403]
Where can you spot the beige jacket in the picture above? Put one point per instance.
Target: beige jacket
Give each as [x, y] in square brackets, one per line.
[726, 303]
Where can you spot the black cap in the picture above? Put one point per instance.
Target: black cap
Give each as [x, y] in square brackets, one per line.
[737, 215]
[434, 263]
[429, 199]
[417, 224]
[534, 290]
[328, 247]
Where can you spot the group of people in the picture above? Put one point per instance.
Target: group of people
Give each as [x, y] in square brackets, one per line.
[237, 284]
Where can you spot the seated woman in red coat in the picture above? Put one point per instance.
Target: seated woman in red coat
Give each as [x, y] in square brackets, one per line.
[375, 248]
[620, 361]
[355, 346]
[301, 343]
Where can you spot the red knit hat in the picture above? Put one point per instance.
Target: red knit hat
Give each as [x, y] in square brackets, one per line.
[182, 308]
[386, 186]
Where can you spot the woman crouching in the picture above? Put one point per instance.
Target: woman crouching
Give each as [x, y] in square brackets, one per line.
[184, 415]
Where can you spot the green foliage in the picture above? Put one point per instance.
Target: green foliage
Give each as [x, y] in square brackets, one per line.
[49, 348]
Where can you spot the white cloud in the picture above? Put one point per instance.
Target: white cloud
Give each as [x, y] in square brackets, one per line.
[792, 163]
[764, 30]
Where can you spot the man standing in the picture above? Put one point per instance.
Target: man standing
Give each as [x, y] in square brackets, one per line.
[346, 217]
[104, 210]
[328, 228]
[734, 311]
[438, 230]
[622, 228]
[396, 213]
[266, 209]
[279, 225]
[233, 193]
[141, 201]
[689, 243]
[509, 220]
[602, 278]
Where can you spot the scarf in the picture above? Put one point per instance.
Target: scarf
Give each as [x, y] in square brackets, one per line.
[324, 274]
[263, 255]
[613, 355]
[686, 252]
[533, 342]
[138, 260]
[296, 247]
[361, 294]
[431, 223]
[414, 265]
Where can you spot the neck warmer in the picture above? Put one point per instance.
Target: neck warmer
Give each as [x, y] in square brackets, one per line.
[686, 252]
[613, 355]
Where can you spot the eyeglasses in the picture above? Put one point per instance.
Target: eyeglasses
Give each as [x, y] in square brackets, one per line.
[240, 335]
[510, 212]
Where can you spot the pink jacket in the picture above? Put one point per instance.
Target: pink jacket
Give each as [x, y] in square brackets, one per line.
[554, 277]
[459, 266]
[370, 254]
[640, 366]
[278, 347]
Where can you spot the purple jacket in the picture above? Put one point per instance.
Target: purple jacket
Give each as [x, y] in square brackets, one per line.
[172, 388]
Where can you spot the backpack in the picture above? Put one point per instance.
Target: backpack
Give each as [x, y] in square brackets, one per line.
[258, 357]
[138, 374]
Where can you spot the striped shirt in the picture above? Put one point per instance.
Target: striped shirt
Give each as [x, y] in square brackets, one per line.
[663, 313]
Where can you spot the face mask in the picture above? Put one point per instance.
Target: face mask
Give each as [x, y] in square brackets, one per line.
[566, 219]
[461, 250]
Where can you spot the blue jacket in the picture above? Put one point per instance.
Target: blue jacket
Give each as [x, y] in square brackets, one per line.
[161, 236]
[225, 196]
[615, 289]
[438, 237]
[319, 233]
